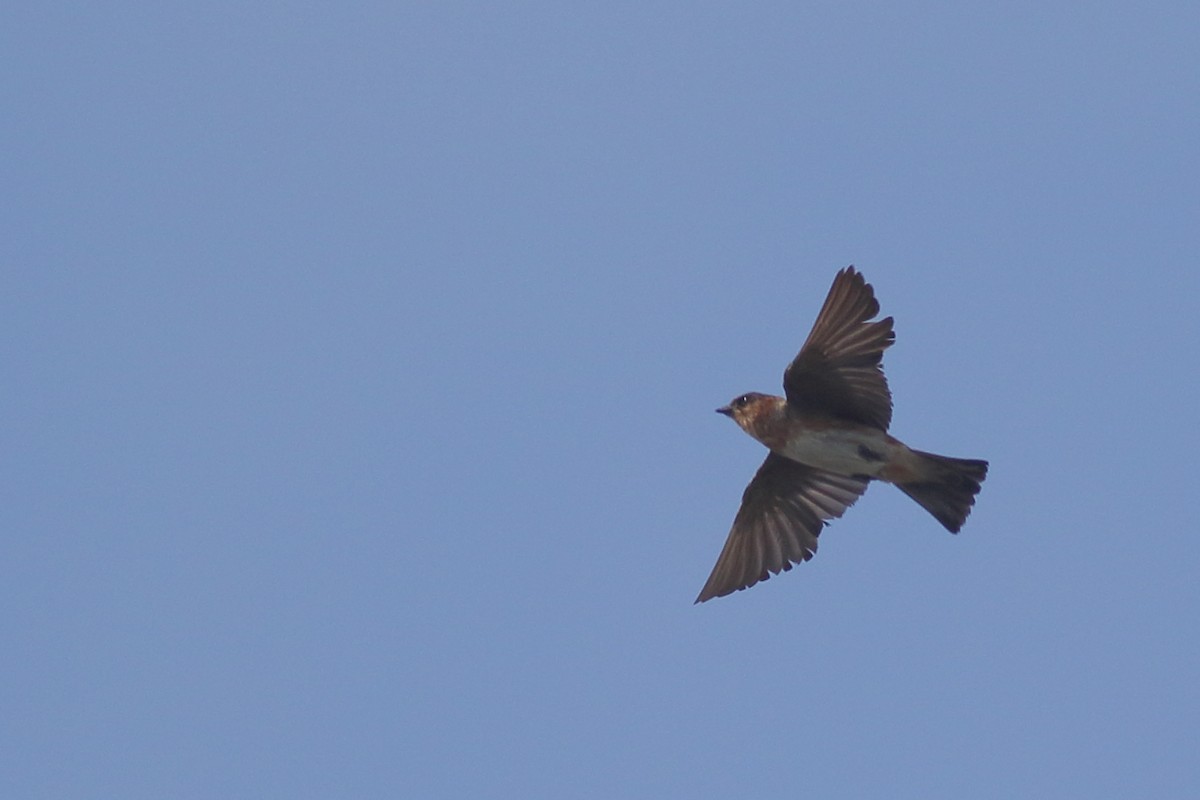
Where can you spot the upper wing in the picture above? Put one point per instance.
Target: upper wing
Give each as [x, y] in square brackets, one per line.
[782, 513]
[838, 372]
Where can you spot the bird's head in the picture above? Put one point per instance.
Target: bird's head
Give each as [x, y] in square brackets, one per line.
[747, 408]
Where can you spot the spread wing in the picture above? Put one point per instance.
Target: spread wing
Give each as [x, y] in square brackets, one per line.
[838, 372]
[782, 513]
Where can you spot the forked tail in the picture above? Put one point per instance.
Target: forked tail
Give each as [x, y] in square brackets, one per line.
[947, 488]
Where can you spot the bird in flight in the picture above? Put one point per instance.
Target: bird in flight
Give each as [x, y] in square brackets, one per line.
[828, 439]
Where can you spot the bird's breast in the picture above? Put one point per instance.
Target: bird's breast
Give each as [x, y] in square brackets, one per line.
[845, 450]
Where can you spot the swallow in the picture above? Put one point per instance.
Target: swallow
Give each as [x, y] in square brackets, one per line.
[828, 438]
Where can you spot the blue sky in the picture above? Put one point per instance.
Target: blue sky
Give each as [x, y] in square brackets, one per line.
[361, 364]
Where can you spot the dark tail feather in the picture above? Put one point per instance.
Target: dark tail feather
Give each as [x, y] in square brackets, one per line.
[948, 489]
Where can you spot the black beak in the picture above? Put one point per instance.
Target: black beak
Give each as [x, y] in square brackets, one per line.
[726, 410]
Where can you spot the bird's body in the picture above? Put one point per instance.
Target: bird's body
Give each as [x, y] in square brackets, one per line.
[825, 443]
[828, 439]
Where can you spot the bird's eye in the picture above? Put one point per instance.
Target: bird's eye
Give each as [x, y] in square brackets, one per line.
[741, 401]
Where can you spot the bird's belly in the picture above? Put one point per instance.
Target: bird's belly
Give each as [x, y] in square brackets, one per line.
[846, 452]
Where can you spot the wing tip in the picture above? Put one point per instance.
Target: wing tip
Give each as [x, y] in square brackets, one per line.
[710, 590]
[850, 294]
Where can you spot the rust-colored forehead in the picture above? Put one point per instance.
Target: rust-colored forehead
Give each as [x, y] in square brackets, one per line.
[747, 398]
[756, 400]
[751, 405]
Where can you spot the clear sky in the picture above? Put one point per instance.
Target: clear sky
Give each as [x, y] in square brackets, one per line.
[360, 363]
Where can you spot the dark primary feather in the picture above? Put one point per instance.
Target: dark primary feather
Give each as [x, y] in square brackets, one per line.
[838, 371]
[783, 511]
